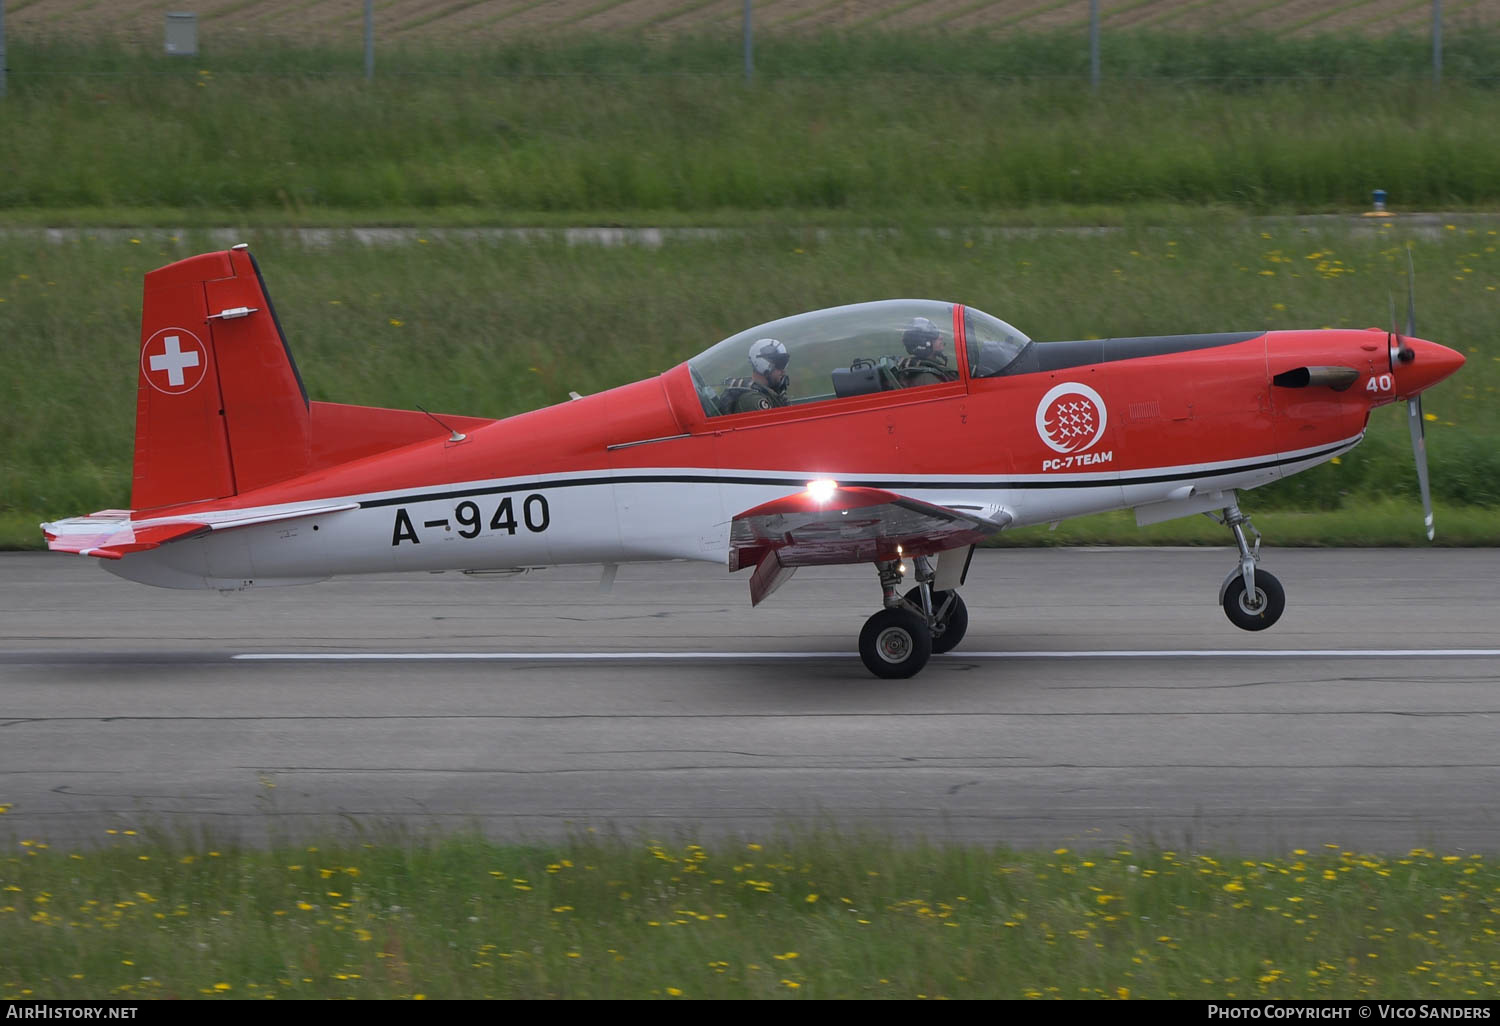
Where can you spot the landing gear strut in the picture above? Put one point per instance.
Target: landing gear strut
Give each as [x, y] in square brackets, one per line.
[897, 641]
[1252, 598]
[950, 618]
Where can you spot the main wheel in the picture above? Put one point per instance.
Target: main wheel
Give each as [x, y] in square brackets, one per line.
[1257, 612]
[895, 643]
[952, 618]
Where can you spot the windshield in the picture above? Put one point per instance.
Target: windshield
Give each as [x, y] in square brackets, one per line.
[993, 345]
[841, 351]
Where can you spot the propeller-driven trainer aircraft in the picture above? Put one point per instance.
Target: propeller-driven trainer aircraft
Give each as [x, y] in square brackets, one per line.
[896, 433]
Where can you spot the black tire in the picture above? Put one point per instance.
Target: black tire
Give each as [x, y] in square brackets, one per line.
[895, 644]
[1262, 614]
[953, 622]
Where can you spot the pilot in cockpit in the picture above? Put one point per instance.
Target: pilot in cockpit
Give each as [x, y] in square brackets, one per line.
[925, 363]
[767, 385]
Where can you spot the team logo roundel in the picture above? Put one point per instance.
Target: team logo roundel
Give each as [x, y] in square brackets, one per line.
[174, 361]
[1071, 417]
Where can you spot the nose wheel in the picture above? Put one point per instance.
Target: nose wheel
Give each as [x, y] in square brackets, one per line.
[1252, 610]
[1252, 598]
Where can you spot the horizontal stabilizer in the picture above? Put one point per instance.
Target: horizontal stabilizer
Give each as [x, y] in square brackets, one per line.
[854, 525]
[111, 534]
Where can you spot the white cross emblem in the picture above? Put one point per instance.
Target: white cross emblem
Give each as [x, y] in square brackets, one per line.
[173, 361]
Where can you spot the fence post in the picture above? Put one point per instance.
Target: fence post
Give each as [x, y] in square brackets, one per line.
[749, 45]
[1437, 42]
[1094, 44]
[369, 40]
[3, 68]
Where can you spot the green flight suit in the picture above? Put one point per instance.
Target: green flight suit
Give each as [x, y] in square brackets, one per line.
[745, 395]
[917, 370]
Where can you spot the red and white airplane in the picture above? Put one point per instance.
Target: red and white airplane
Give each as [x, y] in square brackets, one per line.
[241, 481]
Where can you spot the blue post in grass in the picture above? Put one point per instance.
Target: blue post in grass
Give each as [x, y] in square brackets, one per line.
[1437, 42]
[1094, 44]
[749, 45]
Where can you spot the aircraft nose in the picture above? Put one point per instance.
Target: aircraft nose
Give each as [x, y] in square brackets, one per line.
[1429, 364]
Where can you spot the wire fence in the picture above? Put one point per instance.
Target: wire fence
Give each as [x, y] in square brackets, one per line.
[1281, 40]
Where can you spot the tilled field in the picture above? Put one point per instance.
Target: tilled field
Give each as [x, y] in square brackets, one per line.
[449, 21]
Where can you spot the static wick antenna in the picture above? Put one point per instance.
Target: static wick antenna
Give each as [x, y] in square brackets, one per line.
[454, 435]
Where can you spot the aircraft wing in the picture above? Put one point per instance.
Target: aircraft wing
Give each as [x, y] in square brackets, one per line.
[112, 534]
[848, 525]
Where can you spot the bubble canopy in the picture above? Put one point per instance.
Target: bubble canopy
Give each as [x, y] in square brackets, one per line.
[850, 350]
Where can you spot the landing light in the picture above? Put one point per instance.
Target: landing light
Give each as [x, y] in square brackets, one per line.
[822, 489]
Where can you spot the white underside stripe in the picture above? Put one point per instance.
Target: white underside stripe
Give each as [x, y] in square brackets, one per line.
[771, 478]
[1179, 653]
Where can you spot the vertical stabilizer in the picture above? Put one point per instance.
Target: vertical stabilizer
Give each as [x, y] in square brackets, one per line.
[220, 407]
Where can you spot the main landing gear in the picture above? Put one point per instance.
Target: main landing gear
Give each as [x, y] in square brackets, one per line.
[1252, 598]
[897, 641]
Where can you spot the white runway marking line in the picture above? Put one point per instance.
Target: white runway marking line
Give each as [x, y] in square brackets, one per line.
[1187, 653]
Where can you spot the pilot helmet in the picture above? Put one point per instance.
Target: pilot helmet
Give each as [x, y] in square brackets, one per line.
[919, 336]
[766, 354]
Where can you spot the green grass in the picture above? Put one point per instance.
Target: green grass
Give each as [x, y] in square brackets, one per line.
[1039, 216]
[492, 329]
[1364, 522]
[1234, 59]
[815, 917]
[514, 134]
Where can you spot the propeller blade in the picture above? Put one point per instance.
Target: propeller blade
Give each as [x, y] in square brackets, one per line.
[1419, 451]
[1414, 404]
[1393, 339]
[1411, 296]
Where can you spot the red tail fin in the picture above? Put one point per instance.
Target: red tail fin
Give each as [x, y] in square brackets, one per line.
[220, 407]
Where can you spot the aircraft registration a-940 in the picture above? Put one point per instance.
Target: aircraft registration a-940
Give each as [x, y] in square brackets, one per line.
[872, 450]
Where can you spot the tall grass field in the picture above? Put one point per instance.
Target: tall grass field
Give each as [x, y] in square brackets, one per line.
[926, 141]
[880, 128]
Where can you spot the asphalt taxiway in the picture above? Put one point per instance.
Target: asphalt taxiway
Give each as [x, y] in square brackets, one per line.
[1100, 698]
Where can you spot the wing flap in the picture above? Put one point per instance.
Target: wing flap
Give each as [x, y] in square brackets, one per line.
[112, 534]
[769, 575]
[854, 525]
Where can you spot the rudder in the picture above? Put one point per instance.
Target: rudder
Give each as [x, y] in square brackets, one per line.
[220, 406]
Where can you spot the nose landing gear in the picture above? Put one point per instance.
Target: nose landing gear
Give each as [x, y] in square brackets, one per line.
[1252, 598]
[897, 641]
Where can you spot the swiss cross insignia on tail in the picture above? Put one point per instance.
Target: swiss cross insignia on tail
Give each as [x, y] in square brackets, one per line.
[174, 361]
